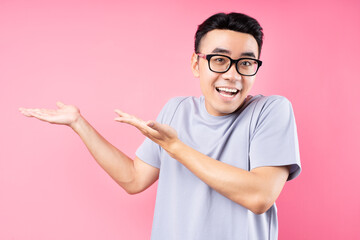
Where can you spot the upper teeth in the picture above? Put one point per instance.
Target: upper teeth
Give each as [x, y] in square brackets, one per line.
[228, 89]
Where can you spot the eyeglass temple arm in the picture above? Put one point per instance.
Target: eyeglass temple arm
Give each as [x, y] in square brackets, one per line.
[201, 55]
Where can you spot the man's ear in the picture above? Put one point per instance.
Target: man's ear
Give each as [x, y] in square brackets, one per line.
[195, 65]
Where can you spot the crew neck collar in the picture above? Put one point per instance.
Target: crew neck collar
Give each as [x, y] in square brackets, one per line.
[238, 111]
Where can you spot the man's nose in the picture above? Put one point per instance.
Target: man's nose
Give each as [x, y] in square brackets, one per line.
[232, 74]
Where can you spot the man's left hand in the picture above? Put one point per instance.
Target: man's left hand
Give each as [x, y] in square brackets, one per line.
[162, 134]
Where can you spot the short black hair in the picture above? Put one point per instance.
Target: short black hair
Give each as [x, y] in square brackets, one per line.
[232, 21]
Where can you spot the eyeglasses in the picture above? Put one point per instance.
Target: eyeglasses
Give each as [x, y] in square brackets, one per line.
[221, 64]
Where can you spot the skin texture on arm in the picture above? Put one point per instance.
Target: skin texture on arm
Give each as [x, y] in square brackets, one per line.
[132, 175]
[256, 190]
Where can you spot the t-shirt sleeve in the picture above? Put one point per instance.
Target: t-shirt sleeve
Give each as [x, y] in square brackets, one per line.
[149, 151]
[274, 140]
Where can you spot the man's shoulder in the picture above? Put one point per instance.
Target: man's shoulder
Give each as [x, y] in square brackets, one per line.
[262, 103]
[179, 99]
[172, 106]
[267, 99]
[175, 102]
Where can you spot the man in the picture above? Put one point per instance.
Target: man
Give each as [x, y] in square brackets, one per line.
[221, 159]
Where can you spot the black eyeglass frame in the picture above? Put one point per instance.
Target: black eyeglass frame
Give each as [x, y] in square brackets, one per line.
[209, 56]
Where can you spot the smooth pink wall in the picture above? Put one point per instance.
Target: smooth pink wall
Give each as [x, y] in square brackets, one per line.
[102, 55]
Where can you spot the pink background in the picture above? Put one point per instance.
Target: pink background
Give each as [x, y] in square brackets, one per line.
[102, 55]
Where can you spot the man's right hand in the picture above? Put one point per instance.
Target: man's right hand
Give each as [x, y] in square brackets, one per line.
[65, 114]
[132, 175]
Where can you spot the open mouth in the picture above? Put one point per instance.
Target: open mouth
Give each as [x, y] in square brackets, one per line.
[227, 92]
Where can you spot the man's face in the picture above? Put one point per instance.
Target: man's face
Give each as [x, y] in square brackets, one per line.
[218, 88]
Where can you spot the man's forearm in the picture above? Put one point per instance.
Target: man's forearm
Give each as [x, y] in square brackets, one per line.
[254, 190]
[119, 166]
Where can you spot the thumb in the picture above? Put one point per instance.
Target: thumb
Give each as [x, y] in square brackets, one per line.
[60, 104]
[154, 125]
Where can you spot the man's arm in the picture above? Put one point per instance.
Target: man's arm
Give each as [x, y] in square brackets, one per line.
[132, 175]
[256, 190]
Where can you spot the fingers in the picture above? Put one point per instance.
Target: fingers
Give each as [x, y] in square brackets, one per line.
[134, 121]
[41, 114]
[157, 132]
[34, 113]
[122, 114]
[25, 112]
[125, 117]
[31, 112]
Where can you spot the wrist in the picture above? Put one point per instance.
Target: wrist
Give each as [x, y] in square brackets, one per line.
[174, 148]
[77, 124]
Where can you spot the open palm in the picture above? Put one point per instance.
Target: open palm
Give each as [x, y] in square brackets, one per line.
[65, 114]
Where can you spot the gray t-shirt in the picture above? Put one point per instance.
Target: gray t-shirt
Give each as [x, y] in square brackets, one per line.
[261, 133]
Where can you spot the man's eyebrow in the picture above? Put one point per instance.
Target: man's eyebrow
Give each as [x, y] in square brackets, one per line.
[248, 54]
[221, 50]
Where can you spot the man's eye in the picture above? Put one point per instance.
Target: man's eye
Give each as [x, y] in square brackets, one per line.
[219, 60]
[247, 63]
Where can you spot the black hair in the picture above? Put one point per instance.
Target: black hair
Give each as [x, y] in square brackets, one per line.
[232, 21]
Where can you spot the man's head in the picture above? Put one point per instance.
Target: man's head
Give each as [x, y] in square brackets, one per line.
[237, 22]
[227, 48]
